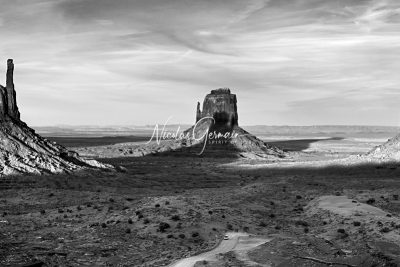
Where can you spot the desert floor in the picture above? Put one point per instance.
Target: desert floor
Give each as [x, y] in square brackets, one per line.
[158, 209]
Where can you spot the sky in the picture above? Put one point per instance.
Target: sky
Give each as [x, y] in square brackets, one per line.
[138, 62]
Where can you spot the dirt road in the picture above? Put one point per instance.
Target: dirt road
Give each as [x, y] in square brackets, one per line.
[233, 243]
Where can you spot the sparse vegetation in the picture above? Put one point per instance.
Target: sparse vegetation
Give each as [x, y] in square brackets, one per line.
[175, 217]
[163, 226]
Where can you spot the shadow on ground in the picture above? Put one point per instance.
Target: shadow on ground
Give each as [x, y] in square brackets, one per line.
[300, 144]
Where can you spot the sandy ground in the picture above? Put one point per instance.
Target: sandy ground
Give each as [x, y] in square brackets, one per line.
[156, 210]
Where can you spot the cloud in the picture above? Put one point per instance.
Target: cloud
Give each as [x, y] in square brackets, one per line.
[132, 61]
[378, 14]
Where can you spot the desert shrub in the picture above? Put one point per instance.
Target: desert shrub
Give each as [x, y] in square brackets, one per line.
[210, 212]
[371, 201]
[170, 236]
[167, 203]
[301, 223]
[111, 199]
[104, 225]
[195, 234]
[229, 226]
[175, 218]
[182, 236]
[163, 226]
[146, 221]
[262, 224]
[157, 205]
[140, 216]
[356, 223]
[128, 230]
[130, 221]
[42, 212]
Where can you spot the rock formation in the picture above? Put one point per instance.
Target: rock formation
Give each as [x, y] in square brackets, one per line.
[222, 106]
[8, 101]
[24, 151]
[219, 118]
[198, 112]
[389, 151]
[11, 95]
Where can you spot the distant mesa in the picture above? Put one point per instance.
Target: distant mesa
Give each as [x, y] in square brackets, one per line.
[24, 151]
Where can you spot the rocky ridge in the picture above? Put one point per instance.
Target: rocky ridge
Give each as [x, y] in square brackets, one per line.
[24, 151]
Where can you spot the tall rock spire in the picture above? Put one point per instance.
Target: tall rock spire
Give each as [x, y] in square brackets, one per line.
[198, 112]
[12, 108]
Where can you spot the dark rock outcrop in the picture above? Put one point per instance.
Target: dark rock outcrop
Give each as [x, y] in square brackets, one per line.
[198, 112]
[12, 108]
[24, 151]
[222, 106]
[8, 100]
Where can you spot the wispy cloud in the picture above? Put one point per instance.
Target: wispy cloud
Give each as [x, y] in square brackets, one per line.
[130, 62]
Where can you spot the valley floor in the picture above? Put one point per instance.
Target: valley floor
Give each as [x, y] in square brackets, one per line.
[158, 209]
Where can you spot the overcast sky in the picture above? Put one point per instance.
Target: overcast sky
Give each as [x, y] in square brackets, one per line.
[296, 62]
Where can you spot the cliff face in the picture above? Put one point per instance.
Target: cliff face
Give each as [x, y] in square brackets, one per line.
[24, 151]
[222, 106]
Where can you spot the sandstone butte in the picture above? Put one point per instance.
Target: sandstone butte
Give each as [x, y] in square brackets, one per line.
[24, 151]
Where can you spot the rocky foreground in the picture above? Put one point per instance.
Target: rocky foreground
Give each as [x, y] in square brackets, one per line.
[165, 208]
